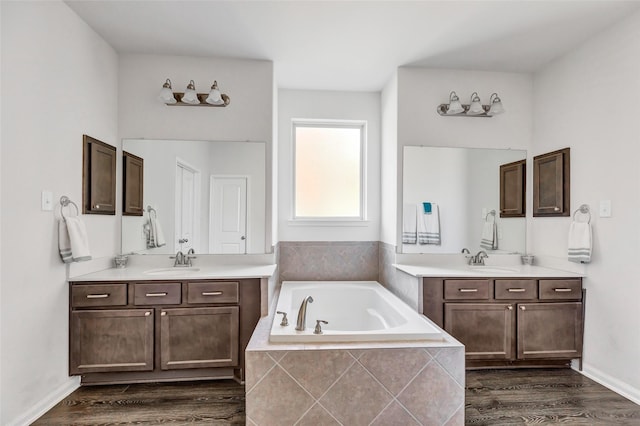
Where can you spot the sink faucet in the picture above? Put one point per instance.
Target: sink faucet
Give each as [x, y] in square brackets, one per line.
[302, 313]
[180, 259]
[189, 256]
[479, 258]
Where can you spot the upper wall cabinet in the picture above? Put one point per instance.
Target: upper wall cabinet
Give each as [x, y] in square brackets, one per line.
[98, 177]
[512, 189]
[132, 185]
[551, 184]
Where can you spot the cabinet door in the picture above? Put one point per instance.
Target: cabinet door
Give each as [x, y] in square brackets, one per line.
[512, 189]
[486, 329]
[111, 340]
[549, 330]
[198, 337]
[551, 184]
[99, 177]
[132, 185]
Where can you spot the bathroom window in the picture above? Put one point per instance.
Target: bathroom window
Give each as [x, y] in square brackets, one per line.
[329, 170]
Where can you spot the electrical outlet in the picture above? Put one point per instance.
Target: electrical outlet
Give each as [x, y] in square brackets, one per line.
[47, 201]
[605, 208]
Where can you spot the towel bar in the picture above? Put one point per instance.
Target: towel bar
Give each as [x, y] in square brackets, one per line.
[584, 209]
[64, 202]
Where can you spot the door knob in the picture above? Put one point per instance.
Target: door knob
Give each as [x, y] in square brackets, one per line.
[243, 238]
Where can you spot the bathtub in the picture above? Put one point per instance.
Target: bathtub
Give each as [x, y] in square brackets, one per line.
[356, 311]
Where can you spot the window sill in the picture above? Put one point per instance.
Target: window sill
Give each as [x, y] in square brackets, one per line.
[323, 222]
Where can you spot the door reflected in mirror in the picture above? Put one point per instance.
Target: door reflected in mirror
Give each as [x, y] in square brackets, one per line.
[208, 196]
[448, 196]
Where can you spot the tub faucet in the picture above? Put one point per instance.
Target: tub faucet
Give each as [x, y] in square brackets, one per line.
[302, 313]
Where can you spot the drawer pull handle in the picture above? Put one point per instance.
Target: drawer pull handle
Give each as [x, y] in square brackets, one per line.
[162, 294]
[562, 290]
[97, 296]
[211, 293]
[516, 290]
[468, 290]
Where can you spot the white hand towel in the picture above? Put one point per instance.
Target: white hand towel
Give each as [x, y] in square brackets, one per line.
[579, 242]
[78, 247]
[64, 244]
[409, 225]
[160, 241]
[489, 239]
[428, 225]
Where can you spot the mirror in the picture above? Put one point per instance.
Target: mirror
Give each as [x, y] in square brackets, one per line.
[201, 195]
[461, 186]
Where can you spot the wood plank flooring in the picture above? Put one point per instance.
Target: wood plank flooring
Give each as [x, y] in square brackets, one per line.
[493, 397]
[544, 396]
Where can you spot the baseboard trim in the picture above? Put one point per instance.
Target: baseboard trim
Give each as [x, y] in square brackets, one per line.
[612, 383]
[47, 403]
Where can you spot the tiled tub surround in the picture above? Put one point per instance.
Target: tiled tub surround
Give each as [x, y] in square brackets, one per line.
[328, 261]
[381, 383]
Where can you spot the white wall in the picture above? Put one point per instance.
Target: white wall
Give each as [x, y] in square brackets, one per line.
[249, 117]
[589, 101]
[420, 91]
[300, 104]
[59, 81]
[389, 162]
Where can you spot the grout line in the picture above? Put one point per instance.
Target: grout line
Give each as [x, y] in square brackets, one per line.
[266, 373]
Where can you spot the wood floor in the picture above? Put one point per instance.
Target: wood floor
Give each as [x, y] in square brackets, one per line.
[493, 397]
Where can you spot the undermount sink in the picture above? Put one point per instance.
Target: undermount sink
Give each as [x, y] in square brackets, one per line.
[493, 269]
[170, 271]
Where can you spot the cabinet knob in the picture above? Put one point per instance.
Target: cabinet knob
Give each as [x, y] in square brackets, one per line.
[556, 209]
[146, 314]
[509, 307]
[163, 313]
[522, 308]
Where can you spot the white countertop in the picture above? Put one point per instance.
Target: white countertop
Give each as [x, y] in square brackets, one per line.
[140, 273]
[510, 271]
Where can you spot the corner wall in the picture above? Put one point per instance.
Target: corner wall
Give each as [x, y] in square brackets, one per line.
[588, 101]
[59, 81]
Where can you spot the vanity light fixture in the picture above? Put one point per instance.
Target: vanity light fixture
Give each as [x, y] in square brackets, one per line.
[192, 98]
[473, 109]
[166, 94]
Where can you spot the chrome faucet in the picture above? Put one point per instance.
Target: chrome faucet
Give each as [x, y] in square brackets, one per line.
[479, 258]
[179, 257]
[189, 256]
[302, 313]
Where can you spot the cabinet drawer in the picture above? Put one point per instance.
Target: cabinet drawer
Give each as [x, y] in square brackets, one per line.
[94, 295]
[561, 289]
[212, 292]
[157, 293]
[466, 289]
[516, 289]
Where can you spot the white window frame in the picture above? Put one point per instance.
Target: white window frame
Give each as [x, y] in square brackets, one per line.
[331, 221]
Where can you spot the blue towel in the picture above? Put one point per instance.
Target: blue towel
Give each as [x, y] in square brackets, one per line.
[426, 207]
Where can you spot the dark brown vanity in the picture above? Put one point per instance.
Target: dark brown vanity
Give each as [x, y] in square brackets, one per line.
[142, 331]
[509, 321]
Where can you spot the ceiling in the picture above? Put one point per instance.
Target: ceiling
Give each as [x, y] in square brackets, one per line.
[355, 45]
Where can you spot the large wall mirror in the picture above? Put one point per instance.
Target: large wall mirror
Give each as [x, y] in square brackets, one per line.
[201, 195]
[449, 195]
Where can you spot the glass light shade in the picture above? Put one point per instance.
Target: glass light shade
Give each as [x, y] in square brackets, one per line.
[496, 105]
[475, 108]
[215, 98]
[455, 107]
[190, 95]
[166, 94]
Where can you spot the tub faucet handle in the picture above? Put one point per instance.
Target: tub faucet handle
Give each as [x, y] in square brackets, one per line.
[285, 321]
[318, 329]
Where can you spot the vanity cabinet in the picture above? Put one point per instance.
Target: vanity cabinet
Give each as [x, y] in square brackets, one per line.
[509, 322]
[551, 183]
[513, 189]
[98, 177]
[129, 332]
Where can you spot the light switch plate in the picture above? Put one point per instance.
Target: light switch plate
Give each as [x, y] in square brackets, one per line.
[605, 208]
[47, 201]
